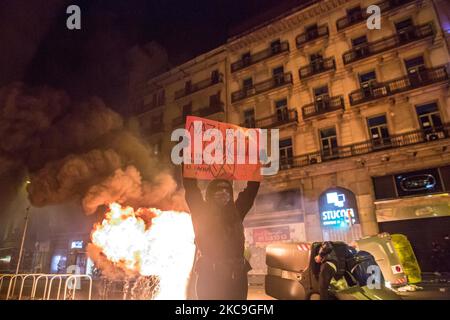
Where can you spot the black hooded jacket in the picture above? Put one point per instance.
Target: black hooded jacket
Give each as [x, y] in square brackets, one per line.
[219, 232]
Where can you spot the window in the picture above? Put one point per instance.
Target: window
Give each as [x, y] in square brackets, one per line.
[282, 110]
[429, 117]
[275, 46]
[215, 76]
[316, 62]
[354, 14]
[187, 110]
[360, 46]
[405, 30]
[246, 57]
[278, 74]
[321, 98]
[286, 152]
[415, 68]
[328, 140]
[249, 118]
[214, 100]
[312, 31]
[247, 83]
[359, 41]
[285, 200]
[188, 86]
[367, 82]
[378, 131]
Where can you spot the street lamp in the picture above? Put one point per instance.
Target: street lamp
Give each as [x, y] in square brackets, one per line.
[23, 239]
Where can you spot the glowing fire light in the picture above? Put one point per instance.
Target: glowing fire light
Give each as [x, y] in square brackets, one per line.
[149, 242]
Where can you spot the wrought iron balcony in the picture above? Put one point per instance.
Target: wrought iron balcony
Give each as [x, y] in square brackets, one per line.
[368, 146]
[211, 109]
[264, 86]
[378, 90]
[316, 67]
[322, 106]
[311, 35]
[282, 117]
[199, 86]
[260, 56]
[403, 37]
[353, 19]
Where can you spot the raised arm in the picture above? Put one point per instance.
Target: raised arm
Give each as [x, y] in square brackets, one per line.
[193, 195]
[246, 198]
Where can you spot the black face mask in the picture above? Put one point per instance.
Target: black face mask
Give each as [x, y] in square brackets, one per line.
[220, 192]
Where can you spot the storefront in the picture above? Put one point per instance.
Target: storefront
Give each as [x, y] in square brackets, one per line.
[276, 217]
[417, 204]
[339, 217]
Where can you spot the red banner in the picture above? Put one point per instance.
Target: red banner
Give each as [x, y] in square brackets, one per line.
[231, 171]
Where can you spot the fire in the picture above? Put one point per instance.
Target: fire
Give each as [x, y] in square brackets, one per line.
[149, 242]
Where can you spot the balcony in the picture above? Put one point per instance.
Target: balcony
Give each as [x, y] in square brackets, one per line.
[283, 117]
[385, 6]
[188, 90]
[325, 105]
[403, 37]
[311, 35]
[316, 67]
[203, 112]
[357, 149]
[264, 86]
[260, 56]
[412, 81]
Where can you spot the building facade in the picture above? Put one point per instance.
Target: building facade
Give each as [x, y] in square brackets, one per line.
[363, 117]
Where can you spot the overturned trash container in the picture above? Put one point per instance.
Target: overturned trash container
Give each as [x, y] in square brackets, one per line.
[407, 258]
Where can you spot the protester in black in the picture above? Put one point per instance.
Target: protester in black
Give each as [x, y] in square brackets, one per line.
[219, 236]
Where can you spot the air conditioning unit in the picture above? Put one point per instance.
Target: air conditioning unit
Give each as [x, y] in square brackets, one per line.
[434, 135]
[315, 159]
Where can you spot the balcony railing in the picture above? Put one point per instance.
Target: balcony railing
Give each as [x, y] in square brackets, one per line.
[260, 56]
[282, 117]
[420, 78]
[316, 67]
[199, 86]
[373, 145]
[325, 105]
[269, 84]
[353, 19]
[211, 109]
[203, 112]
[311, 35]
[403, 37]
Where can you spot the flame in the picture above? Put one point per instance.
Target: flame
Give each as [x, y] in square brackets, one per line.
[150, 242]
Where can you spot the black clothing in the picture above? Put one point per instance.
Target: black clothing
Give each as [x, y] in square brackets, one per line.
[337, 253]
[327, 273]
[219, 237]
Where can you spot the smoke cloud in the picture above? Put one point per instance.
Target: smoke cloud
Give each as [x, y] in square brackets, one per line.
[79, 151]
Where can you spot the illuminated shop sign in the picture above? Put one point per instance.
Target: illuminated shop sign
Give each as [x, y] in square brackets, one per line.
[337, 208]
[77, 244]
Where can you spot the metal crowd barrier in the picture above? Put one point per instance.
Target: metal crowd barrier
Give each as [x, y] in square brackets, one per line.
[70, 283]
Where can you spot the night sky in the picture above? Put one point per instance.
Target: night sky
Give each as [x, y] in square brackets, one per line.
[36, 46]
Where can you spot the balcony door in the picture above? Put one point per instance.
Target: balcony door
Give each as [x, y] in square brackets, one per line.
[367, 82]
[321, 98]
[316, 60]
[249, 118]
[281, 108]
[278, 74]
[328, 141]
[430, 121]
[354, 14]
[416, 70]
[378, 131]
[312, 32]
[286, 153]
[275, 46]
[405, 30]
[360, 46]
